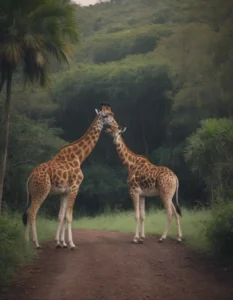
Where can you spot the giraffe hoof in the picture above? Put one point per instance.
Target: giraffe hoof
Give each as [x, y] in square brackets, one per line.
[58, 246]
[160, 240]
[38, 247]
[135, 241]
[141, 240]
[65, 246]
[179, 240]
[73, 248]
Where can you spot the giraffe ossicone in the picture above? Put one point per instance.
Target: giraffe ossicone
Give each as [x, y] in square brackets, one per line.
[146, 180]
[62, 175]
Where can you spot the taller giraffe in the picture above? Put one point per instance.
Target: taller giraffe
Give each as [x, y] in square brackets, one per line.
[146, 179]
[62, 175]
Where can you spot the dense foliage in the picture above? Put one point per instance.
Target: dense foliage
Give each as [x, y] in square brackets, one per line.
[14, 251]
[209, 152]
[219, 231]
[10, 235]
[166, 69]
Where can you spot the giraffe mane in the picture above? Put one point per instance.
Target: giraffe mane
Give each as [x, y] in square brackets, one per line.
[133, 153]
[81, 138]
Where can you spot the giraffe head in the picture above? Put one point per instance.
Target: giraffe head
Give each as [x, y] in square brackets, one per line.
[106, 116]
[115, 132]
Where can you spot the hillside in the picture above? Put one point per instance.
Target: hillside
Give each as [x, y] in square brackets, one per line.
[165, 66]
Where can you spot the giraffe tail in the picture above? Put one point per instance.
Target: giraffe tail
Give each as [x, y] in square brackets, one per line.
[25, 216]
[177, 207]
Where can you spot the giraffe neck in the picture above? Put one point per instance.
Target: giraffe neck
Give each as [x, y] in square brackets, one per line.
[127, 157]
[80, 149]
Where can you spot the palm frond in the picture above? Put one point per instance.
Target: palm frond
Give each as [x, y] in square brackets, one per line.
[58, 49]
[11, 52]
[33, 41]
[32, 31]
[36, 67]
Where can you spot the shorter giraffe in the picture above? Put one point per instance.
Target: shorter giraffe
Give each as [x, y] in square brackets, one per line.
[62, 175]
[146, 180]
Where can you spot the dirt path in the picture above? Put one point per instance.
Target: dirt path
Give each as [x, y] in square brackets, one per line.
[108, 267]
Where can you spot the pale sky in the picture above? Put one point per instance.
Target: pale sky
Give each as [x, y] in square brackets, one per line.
[85, 2]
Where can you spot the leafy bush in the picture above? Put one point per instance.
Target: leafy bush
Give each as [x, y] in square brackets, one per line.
[13, 249]
[209, 153]
[219, 230]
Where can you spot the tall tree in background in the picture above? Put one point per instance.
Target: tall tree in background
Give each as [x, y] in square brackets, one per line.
[31, 32]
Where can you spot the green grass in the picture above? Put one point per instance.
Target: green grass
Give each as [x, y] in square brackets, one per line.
[13, 248]
[192, 225]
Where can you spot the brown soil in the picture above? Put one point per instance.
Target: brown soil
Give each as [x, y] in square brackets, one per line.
[107, 266]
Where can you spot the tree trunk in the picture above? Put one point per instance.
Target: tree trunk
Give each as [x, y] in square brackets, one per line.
[6, 127]
[2, 81]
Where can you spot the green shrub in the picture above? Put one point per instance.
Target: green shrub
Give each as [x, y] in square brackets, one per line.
[219, 230]
[13, 249]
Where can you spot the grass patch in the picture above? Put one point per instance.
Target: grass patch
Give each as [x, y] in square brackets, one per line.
[13, 248]
[192, 224]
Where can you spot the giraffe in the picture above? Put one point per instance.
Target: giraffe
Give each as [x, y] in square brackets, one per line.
[146, 180]
[62, 175]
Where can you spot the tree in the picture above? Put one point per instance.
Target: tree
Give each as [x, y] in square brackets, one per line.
[209, 152]
[31, 32]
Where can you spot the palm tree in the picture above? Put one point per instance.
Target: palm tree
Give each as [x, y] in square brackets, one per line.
[31, 32]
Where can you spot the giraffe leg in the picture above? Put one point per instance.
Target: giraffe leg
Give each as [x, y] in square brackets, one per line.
[61, 219]
[64, 245]
[169, 220]
[32, 212]
[38, 190]
[135, 198]
[72, 194]
[179, 238]
[31, 215]
[142, 218]
[69, 218]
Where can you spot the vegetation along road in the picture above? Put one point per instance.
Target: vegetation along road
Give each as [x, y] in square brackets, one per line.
[108, 266]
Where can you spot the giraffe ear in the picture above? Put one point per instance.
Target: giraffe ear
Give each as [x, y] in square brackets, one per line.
[97, 112]
[124, 129]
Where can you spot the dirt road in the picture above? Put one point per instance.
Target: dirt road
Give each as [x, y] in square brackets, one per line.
[107, 267]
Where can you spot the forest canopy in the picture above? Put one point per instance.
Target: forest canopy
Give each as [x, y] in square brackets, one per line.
[166, 68]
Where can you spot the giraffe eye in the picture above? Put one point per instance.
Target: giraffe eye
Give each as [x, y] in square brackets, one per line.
[105, 116]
